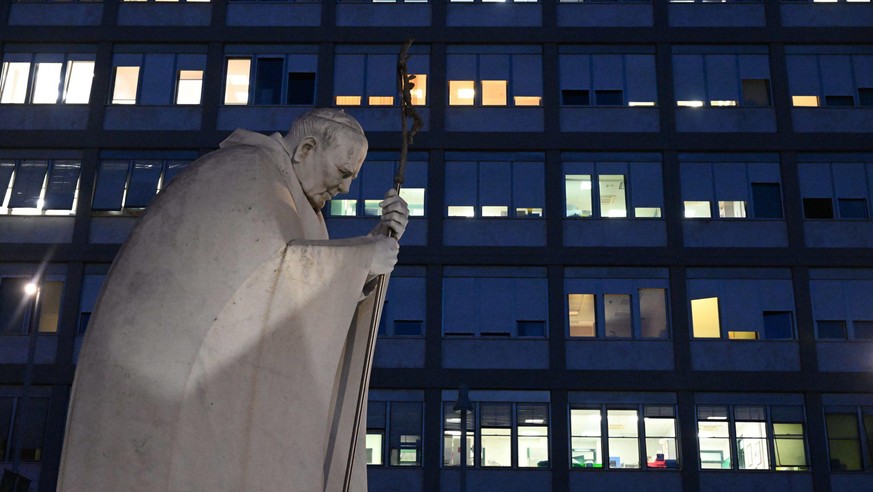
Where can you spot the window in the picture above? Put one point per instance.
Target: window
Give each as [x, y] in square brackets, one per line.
[611, 190]
[642, 313]
[402, 434]
[606, 79]
[741, 308]
[23, 421]
[375, 178]
[494, 302]
[840, 307]
[625, 439]
[404, 313]
[45, 78]
[91, 285]
[21, 299]
[751, 437]
[39, 186]
[721, 80]
[836, 190]
[817, 78]
[505, 76]
[270, 79]
[367, 76]
[850, 437]
[157, 78]
[503, 434]
[131, 184]
[486, 185]
[728, 189]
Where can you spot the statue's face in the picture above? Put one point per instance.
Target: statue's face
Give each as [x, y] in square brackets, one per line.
[326, 171]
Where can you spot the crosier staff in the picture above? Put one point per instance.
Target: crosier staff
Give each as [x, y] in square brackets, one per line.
[407, 112]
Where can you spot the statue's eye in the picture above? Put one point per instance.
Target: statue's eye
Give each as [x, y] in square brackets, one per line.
[347, 174]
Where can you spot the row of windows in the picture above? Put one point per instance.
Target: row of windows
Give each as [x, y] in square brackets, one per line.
[510, 185]
[493, 303]
[476, 76]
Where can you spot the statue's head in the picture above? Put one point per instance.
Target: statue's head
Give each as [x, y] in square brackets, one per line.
[327, 148]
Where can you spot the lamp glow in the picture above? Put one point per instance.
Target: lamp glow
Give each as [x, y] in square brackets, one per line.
[30, 289]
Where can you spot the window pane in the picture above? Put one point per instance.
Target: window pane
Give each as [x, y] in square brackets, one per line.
[697, 210]
[617, 315]
[581, 313]
[624, 449]
[863, 329]
[405, 437]
[12, 305]
[852, 208]
[732, 209]
[236, 90]
[47, 82]
[613, 201]
[143, 183]
[767, 200]
[374, 448]
[5, 425]
[419, 91]
[752, 451]
[533, 446]
[586, 447]
[661, 449]
[415, 200]
[49, 306]
[653, 313]
[29, 180]
[844, 445]
[704, 318]
[778, 325]
[712, 432]
[578, 189]
[493, 93]
[268, 81]
[61, 188]
[789, 448]
[111, 179]
[15, 76]
[301, 88]
[190, 87]
[496, 448]
[32, 429]
[126, 80]
[609, 97]
[831, 329]
[575, 97]
[461, 92]
[818, 208]
[756, 93]
[79, 77]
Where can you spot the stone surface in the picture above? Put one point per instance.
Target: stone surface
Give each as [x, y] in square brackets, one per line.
[225, 349]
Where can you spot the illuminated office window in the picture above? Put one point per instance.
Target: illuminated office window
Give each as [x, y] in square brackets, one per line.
[24, 309]
[481, 185]
[376, 176]
[126, 84]
[190, 86]
[270, 79]
[721, 80]
[606, 79]
[820, 79]
[367, 75]
[39, 187]
[730, 189]
[236, 88]
[612, 190]
[394, 433]
[616, 308]
[44, 78]
[502, 76]
[844, 437]
[713, 437]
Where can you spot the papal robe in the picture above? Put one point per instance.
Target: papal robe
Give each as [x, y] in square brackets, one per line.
[226, 347]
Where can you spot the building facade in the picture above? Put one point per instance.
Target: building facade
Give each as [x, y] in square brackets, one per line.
[641, 230]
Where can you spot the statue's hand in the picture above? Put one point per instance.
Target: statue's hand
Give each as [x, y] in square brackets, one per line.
[395, 215]
[385, 251]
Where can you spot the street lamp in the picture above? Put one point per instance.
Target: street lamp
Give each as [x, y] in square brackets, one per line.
[462, 406]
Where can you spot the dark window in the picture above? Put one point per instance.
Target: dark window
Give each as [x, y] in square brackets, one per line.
[109, 191]
[575, 97]
[301, 88]
[32, 428]
[404, 439]
[852, 208]
[268, 81]
[835, 329]
[767, 200]
[61, 188]
[84, 318]
[609, 98]
[839, 101]
[865, 96]
[778, 325]
[143, 183]
[28, 184]
[5, 425]
[12, 305]
[756, 93]
[411, 328]
[863, 331]
[531, 328]
[818, 208]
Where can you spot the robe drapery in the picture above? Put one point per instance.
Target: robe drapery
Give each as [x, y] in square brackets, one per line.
[226, 347]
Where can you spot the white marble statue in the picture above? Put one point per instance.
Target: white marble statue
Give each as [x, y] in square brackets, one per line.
[224, 348]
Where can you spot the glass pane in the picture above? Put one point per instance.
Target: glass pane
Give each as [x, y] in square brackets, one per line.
[495, 211]
[236, 90]
[301, 88]
[613, 202]
[818, 208]
[852, 208]
[585, 428]
[704, 318]
[374, 448]
[5, 425]
[47, 82]
[767, 200]
[405, 437]
[778, 325]
[29, 180]
[143, 183]
[617, 315]
[343, 208]
[50, 306]
[61, 188]
[697, 210]
[126, 80]
[111, 180]
[268, 81]
[533, 447]
[419, 90]
[15, 76]
[624, 447]
[461, 211]
[653, 313]
[414, 199]
[844, 444]
[461, 92]
[581, 313]
[496, 447]
[79, 77]
[732, 209]
[835, 329]
[578, 189]
[32, 421]
[190, 87]
[493, 93]
[12, 305]
[756, 93]
[714, 444]
[863, 329]
[661, 450]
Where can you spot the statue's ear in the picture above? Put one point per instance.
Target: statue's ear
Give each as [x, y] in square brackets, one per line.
[304, 148]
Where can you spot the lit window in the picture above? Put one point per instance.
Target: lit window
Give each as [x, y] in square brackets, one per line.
[189, 87]
[613, 201]
[380, 100]
[126, 83]
[660, 431]
[78, 85]
[402, 434]
[690, 104]
[528, 100]
[461, 211]
[16, 307]
[586, 447]
[236, 89]
[721, 79]
[375, 176]
[805, 101]
[735, 209]
[844, 444]
[374, 447]
[15, 76]
[495, 420]
[533, 435]
[419, 91]
[348, 100]
[751, 438]
[47, 79]
[582, 315]
[697, 210]
[714, 437]
[578, 192]
[493, 93]
[461, 92]
[705, 318]
[789, 447]
[617, 315]
[623, 433]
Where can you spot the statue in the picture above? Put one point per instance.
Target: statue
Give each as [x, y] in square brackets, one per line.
[223, 349]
